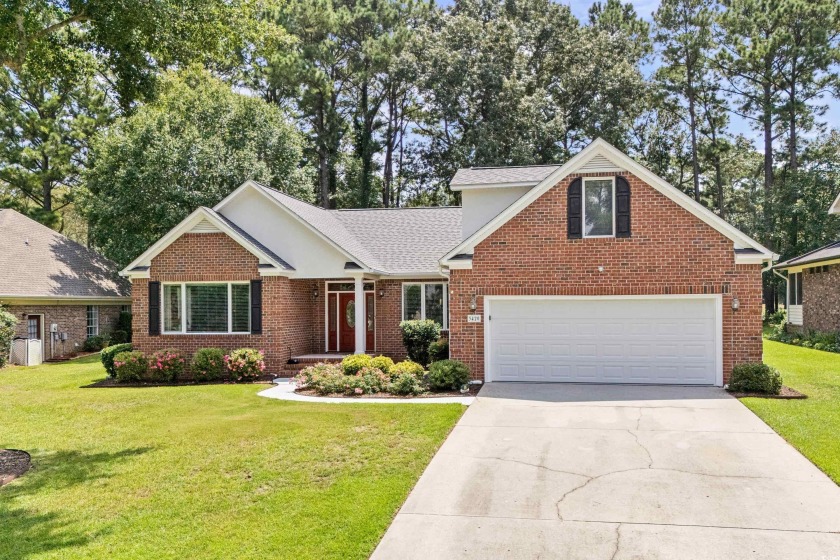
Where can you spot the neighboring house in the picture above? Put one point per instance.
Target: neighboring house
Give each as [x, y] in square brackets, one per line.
[60, 291]
[593, 271]
[813, 286]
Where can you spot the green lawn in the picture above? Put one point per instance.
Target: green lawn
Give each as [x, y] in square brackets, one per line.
[811, 425]
[202, 472]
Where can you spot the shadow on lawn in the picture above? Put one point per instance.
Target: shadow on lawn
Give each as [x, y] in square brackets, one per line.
[26, 531]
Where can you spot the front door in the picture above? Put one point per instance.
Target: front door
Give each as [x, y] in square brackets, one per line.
[346, 322]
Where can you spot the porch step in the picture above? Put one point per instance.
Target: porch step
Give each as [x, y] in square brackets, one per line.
[290, 370]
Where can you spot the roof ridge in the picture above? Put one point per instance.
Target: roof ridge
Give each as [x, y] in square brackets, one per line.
[278, 191]
[811, 252]
[398, 208]
[513, 166]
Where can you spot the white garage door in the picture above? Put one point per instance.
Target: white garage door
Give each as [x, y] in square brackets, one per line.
[605, 340]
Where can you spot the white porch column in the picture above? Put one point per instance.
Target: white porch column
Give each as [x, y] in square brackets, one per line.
[361, 315]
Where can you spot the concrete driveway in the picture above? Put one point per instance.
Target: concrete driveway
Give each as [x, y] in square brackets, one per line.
[615, 472]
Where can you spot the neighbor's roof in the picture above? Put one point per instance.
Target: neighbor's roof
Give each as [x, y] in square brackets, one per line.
[37, 262]
[528, 175]
[825, 253]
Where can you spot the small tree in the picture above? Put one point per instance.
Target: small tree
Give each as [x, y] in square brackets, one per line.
[7, 332]
[417, 335]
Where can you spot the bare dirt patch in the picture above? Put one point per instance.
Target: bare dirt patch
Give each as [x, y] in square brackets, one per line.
[13, 463]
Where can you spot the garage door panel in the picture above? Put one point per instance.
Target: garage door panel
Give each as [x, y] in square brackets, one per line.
[609, 341]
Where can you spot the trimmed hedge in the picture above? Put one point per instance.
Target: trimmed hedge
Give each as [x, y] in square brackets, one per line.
[448, 374]
[353, 363]
[755, 378]
[7, 333]
[417, 336]
[407, 366]
[107, 356]
[208, 364]
[95, 343]
[439, 350]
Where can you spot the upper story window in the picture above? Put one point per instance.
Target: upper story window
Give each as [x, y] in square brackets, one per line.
[427, 300]
[92, 320]
[207, 308]
[599, 207]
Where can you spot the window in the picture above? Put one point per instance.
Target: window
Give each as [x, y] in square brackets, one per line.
[598, 207]
[795, 289]
[92, 320]
[207, 308]
[426, 301]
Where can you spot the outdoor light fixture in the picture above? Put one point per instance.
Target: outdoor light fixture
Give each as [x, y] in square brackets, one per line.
[381, 292]
[473, 304]
[735, 304]
[315, 292]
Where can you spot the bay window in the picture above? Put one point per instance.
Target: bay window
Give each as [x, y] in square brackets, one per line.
[426, 300]
[207, 308]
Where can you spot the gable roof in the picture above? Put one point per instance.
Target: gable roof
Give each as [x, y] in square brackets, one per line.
[38, 262]
[835, 206]
[515, 176]
[825, 253]
[140, 265]
[600, 149]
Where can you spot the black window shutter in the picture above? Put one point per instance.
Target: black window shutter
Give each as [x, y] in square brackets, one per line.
[256, 306]
[573, 211]
[622, 207]
[154, 308]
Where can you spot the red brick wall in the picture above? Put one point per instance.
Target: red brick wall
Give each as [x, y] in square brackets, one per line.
[71, 319]
[670, 252]
[287, 304]
[821, 299]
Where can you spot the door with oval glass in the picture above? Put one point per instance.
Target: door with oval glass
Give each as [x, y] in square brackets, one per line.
[346, 317]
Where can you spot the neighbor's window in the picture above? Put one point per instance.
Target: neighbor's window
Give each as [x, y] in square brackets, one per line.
[795, 296]
[92, 320]
[426, 301]
[598, 207]
[207, 308]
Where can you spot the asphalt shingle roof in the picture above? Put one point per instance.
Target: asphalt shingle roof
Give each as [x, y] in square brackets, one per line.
[389, 240]
[827, 252]
[494, 175]
[36, 261]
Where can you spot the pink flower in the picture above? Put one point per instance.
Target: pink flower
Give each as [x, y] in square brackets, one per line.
[358, 390]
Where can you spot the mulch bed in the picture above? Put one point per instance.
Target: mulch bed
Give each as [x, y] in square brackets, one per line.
[786, 393]
[473, 392]
[111, 382]
[13, 463]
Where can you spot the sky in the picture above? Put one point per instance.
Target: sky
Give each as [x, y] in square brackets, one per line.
[738, 125]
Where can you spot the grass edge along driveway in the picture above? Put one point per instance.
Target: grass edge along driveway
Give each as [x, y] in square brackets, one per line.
[811, 425]
[202, 472]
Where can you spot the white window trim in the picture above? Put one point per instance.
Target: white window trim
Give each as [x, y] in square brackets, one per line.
[422, 285]
[95, 309]
[329, 294]
[183, 330]
[583, 206]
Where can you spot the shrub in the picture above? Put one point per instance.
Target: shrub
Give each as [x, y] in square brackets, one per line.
[755, 378]
[119, 337]
[124, 324]
[776, 318]
[208, 364]
[324, 379]
[417, 335]
[106, 356]
[167, 365]
[407, 366]
[371, 380]
[448, 374]
[245, 364]
[95, 343]
[383, 363]
[439, 350]
[405, 384]
[354, 362]
[131, 366]
[7, 333]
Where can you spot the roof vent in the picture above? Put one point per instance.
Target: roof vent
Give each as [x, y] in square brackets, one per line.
[204, 226]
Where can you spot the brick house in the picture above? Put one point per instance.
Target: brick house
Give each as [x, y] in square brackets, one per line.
[60, 291]
[593, 271]
[813, 286]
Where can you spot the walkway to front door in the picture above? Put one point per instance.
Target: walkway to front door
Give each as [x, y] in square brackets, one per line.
[615, 472]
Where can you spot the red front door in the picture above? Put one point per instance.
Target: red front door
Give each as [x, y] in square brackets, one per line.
[346, 322]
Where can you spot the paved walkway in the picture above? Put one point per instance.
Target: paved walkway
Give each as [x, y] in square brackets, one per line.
[611, 472]
[284, 389]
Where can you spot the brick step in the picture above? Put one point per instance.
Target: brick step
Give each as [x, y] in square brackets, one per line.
[290, 370]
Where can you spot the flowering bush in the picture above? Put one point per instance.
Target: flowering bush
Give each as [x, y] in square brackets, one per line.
[245, 364]
[369, 380]
[354, 362]
[383, 363]
[324, 379]
[407, 366]
[167, 365]
[131, 366]
[208, 364]
[405, 384]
